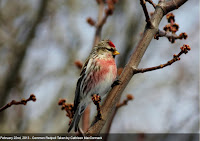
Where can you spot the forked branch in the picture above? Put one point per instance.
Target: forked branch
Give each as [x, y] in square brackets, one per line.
[170, 30]
[103, 14]
[152, 3]
[113, 97]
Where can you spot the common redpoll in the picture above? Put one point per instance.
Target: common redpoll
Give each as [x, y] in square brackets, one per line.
[97, 75]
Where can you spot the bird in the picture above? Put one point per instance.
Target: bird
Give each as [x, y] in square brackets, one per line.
[97, 75]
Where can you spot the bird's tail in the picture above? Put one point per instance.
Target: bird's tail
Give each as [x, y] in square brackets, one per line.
[77, 116]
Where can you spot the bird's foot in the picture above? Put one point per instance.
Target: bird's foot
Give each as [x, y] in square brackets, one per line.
[96, 100]
[115, 83]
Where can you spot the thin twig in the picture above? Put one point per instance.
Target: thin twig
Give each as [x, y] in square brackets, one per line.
[102, 19]
[99, 25]
[78, 64]
[22, 102]
[125, 102]
[101, 10]
[143, 4]
[170, 30]
[152, 3]
[184, 49]
[119, 105]
[171, 37]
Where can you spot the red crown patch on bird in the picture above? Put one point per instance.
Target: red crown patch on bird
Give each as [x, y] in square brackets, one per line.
[111, 44]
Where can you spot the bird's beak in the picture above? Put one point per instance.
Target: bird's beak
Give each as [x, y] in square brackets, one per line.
[116, 52]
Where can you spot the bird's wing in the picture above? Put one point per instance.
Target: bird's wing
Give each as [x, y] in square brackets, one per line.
[78, 85]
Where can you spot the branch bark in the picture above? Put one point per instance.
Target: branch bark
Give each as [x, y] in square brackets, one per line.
[113, 97]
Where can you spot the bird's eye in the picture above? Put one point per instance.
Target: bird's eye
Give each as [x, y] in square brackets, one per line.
[110, 49]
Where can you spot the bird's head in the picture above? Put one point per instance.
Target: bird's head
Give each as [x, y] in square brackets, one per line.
[106, 46]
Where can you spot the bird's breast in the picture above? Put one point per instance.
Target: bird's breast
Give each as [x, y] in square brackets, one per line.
[108, 69]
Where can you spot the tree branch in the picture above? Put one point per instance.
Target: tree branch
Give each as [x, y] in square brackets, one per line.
[102, 19]
[97, 36]
[170, 36]
[143, 4]
[115, 94]
[184, 49]
[22, 102]
[170, 30]
[151, 2]
[171, 5]
[119, 105]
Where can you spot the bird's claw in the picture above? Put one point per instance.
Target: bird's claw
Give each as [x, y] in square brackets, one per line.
[115, 83]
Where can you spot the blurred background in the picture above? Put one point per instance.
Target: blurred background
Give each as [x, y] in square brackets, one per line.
[41, 40]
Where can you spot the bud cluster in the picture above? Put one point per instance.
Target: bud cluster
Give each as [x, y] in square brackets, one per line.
[170, 30]
[67, 107]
